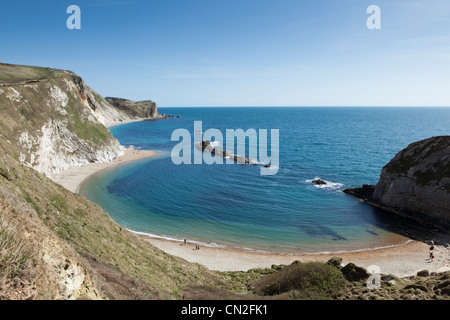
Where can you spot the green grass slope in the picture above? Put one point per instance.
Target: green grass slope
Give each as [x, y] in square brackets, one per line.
[116, 263]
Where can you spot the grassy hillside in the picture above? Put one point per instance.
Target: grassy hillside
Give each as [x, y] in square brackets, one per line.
[15, 74]
[115, 263]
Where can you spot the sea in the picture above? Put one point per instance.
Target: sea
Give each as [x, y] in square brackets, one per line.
[235, 206]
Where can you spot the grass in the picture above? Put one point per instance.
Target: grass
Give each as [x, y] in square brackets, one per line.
[117, 258]
[10, 73]
[15, 252]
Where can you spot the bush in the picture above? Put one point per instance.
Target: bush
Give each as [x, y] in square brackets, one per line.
[313, 280]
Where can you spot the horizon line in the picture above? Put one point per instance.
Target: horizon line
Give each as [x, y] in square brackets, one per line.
[321, 106]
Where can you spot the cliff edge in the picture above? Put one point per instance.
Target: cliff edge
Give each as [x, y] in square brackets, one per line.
[415, 183]
[55, 244]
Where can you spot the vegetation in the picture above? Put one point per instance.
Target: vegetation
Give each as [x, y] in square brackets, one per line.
[313, 280]
[15, 251]
[12, 74]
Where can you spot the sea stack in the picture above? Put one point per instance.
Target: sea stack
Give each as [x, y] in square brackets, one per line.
[415, 183]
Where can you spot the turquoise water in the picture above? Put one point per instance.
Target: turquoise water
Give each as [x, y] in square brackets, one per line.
[233, 205]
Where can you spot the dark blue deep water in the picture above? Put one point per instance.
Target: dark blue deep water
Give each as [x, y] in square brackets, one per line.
[234, 205]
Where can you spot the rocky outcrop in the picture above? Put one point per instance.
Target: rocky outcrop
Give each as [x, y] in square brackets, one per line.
[415, 183]
[318, 181]
[146, 109]
[206, 146]
[365, 192]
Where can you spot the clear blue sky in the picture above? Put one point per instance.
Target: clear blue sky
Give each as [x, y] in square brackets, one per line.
[241, 52]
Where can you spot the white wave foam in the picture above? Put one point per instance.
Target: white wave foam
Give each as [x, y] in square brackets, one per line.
[329, 184]
[212, 244]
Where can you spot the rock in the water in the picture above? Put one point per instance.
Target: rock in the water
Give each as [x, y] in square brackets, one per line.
[365, 192]
[207, 147]
[318, 181]
[415, 183]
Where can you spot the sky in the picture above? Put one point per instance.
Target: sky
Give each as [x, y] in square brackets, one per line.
[241, 52]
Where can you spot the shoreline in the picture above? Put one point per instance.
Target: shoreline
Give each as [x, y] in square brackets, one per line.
[118, 123]
[399, 260]
[73, 178]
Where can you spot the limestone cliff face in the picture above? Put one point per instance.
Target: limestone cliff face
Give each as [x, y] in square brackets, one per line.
[417, 181]
[51, 120]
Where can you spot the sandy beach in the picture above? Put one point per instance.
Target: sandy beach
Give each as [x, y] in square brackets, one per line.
[402, 260]
[117, 123]
[72, 178]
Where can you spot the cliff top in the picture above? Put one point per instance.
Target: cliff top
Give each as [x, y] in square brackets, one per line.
[15, 74]
[428, 160]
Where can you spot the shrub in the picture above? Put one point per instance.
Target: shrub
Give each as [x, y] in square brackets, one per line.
[313, 280]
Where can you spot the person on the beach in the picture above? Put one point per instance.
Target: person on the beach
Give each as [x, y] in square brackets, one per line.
[184, 241]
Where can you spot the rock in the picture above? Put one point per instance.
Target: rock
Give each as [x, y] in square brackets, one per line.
[354, 273]
[415, 183]
[365, 192]
[207, 147]
[335, 262]
[318, 182]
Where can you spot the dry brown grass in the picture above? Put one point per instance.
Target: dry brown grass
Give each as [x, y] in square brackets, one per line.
[15, 251]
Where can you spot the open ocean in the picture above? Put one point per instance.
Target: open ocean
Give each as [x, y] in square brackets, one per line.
[235, 206]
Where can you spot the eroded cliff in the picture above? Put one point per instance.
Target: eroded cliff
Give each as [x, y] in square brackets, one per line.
[415, 183]
[51, 120]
